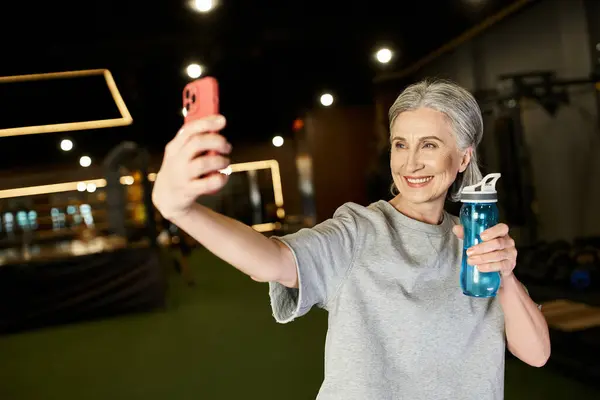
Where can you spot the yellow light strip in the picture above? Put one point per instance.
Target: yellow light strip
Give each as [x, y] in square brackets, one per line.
[117, 98]
[275, 175]
[273, 165]
[268, 227]
[128, 180]
[47, 189]
[125, 119]
[50, 75]
[251, 166]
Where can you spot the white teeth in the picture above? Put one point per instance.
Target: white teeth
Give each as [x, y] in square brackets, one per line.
[419, 180]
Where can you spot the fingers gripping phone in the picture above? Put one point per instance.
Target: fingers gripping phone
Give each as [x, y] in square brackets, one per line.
[200, 100]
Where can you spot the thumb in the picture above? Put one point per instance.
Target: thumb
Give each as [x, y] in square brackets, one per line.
[458, 231]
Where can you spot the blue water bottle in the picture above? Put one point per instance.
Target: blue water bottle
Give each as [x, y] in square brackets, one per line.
[478, 213]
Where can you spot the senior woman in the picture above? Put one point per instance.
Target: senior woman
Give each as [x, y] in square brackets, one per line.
[388, 274]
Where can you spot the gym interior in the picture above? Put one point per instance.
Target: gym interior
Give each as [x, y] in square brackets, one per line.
[101, 297]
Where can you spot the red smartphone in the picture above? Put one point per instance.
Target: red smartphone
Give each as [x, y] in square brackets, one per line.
[201, 98]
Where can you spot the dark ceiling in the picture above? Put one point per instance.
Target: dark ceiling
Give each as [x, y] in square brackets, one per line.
[272, 59]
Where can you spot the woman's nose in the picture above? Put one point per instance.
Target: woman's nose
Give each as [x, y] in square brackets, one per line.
[413, 163]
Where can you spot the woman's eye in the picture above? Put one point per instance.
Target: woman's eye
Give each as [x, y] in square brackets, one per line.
[399, 145]
[429, 146]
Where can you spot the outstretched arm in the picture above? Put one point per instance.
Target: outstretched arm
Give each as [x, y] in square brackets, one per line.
[189, 170]
[264, 259]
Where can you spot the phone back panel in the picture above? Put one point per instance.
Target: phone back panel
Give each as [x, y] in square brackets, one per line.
[201, 98]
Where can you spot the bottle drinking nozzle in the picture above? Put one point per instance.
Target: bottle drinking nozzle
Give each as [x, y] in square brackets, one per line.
[484, 191]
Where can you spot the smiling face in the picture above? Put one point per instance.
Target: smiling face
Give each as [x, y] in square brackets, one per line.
[424, 157]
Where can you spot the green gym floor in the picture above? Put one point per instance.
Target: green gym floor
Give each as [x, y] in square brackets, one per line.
[216, 340]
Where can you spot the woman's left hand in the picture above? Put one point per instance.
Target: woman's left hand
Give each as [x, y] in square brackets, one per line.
[496, 252]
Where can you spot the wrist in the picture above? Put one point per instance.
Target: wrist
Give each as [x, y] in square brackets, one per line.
[508, 281]
[180, 216]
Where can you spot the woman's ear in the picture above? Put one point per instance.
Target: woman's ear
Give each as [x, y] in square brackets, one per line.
[466, 159]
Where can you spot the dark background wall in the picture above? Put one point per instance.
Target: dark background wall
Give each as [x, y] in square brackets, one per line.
[341, 143]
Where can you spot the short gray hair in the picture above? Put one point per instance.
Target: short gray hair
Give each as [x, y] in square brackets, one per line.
[462, 111]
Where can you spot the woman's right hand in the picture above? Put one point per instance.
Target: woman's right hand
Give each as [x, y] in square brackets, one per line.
[190, 167]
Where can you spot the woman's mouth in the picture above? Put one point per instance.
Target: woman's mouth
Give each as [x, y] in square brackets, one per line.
[417, 181]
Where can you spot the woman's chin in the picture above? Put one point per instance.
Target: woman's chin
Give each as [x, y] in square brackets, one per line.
[418, 198]
[420, 195]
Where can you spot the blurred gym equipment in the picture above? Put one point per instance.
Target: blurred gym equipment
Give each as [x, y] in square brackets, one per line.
[504, 104]
[132, 157]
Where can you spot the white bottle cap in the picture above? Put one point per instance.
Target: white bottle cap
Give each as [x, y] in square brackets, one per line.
[483, 192]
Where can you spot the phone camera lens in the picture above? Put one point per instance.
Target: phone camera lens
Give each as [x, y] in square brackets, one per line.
[187, 94]
[193, 98]
[187, 106]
